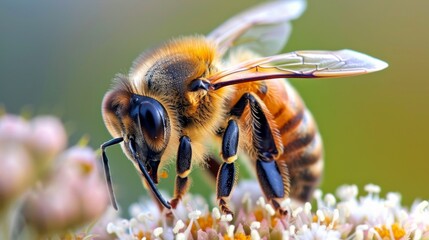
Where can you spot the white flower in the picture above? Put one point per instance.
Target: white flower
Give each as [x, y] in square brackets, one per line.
[350, 217]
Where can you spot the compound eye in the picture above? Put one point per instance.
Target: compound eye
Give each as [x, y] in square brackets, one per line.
[152, 120]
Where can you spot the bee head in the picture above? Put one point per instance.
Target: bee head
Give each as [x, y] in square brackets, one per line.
[141, 121]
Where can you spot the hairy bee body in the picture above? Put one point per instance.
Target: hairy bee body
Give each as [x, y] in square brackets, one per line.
[181, 97]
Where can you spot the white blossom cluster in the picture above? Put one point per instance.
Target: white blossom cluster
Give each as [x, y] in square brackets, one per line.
[344, 216]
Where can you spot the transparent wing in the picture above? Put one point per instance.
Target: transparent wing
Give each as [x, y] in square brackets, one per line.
[299, 64]
[263, 29]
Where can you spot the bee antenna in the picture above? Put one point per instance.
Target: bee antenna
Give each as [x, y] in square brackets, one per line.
[107, 169]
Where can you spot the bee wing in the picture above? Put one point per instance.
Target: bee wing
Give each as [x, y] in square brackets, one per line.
[299, 64]
[263, 29]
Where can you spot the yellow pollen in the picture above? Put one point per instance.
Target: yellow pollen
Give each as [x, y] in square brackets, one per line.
[326, 222]
[274, 221]
[259, 215]
[163, 174]
[237, 236]
[141, 235]
[86, 168]
[203, 223]
[384, 232]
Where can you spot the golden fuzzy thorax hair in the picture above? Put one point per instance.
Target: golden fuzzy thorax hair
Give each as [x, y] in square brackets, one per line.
[164, 74]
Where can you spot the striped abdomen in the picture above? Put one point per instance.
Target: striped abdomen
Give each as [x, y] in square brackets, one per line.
[302, 144]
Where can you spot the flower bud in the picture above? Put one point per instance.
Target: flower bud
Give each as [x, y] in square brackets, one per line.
[74, 194]
[51, 209]
[16, 172]
[47, 138]
[13, 128]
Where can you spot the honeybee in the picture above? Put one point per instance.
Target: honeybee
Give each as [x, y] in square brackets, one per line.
[191, 91]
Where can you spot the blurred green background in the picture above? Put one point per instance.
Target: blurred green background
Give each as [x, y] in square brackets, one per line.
[59, 58]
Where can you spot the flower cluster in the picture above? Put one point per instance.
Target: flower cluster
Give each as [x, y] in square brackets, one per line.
[45, 189]
[346, 216]
[49, 192]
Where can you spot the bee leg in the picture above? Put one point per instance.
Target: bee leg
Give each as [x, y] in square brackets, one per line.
[273, 176]
[183, 168]
[272, 181]
[226, 177]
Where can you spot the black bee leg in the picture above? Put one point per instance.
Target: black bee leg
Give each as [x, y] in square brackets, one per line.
[273, 181]
[226, 176]
[183, 168]
[273, 175]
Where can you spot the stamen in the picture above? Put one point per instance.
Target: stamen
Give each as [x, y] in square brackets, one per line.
[393, 199]
[317, 194]
[359, 235]
[347, 192]
[372, 188]
[158, 231]
[292, 230]
[417, 234]
[421, 207]
[286, 203]
[254, 235]
[372, 232]
[111, 228]
[296, 212]
[194, 215]
[255, 225]
[261, 202]
[335, 217]
[330, 200]
[320, 215]
[270, 209]
[226, 218]
[230, 231]
[179, 225]
[180, 236]
[216, 213]
[307, 208]
[285, 235]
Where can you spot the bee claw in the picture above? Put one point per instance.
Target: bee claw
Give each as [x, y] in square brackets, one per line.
[282, 212]
[223, 206]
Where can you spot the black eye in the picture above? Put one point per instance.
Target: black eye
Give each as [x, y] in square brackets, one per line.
[152, 120]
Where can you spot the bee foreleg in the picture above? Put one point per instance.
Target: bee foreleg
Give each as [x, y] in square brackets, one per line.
[183, 168]
[226, 176]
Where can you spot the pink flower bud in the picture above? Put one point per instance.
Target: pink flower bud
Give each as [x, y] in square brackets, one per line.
[16, 172]
[75, 194]
[52, 209]
[48, 136]
[13, 128]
